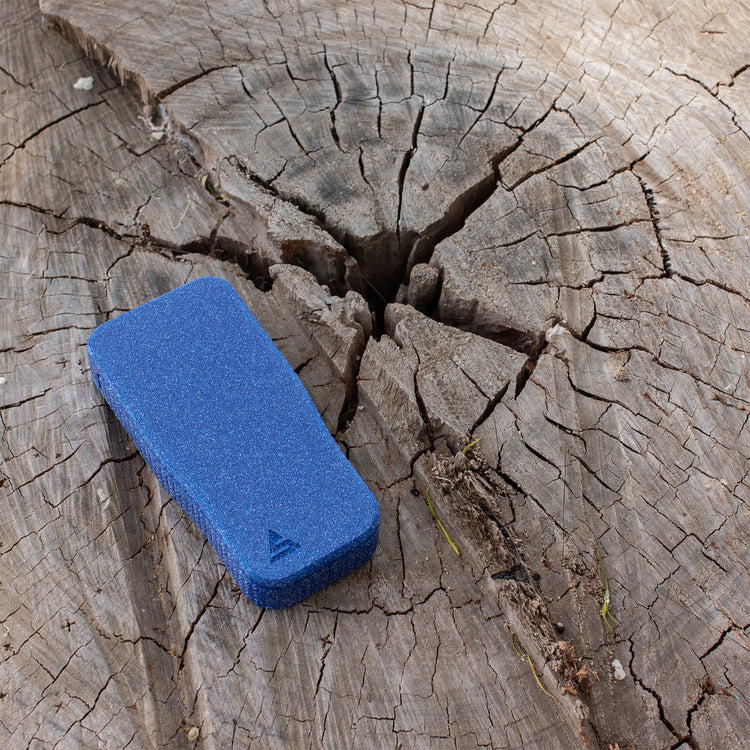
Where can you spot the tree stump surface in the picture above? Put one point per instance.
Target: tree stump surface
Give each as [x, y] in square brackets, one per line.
[489, 222]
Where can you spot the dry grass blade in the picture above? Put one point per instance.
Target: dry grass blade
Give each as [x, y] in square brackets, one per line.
[442, 528]
[525, 657]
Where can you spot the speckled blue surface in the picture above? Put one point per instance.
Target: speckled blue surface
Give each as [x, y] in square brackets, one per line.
[230, 431]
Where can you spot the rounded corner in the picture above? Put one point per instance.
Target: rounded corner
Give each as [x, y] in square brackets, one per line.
[93, 342]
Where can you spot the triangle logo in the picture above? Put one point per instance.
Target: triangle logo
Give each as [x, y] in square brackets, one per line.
[280, 547]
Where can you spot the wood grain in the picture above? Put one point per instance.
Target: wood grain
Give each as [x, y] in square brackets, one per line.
[458, 223]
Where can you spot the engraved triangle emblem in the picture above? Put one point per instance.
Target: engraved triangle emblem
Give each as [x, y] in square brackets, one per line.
[279, 547]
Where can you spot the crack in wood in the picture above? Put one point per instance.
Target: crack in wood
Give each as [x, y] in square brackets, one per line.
[648, 194]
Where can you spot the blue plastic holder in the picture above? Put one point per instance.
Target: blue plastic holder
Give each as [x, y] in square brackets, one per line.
[229, 430]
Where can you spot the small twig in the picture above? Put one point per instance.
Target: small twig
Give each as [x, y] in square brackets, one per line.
[442, 528]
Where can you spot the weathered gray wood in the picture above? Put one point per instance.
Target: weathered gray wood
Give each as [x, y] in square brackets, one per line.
[423, 286]
[577, 182]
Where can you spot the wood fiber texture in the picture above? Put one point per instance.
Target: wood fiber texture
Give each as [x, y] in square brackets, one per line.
[520, 224]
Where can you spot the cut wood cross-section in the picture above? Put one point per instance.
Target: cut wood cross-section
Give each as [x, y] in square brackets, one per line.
[504, 246]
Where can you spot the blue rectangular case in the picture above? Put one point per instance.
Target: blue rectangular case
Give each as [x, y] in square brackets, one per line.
[231, 433]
